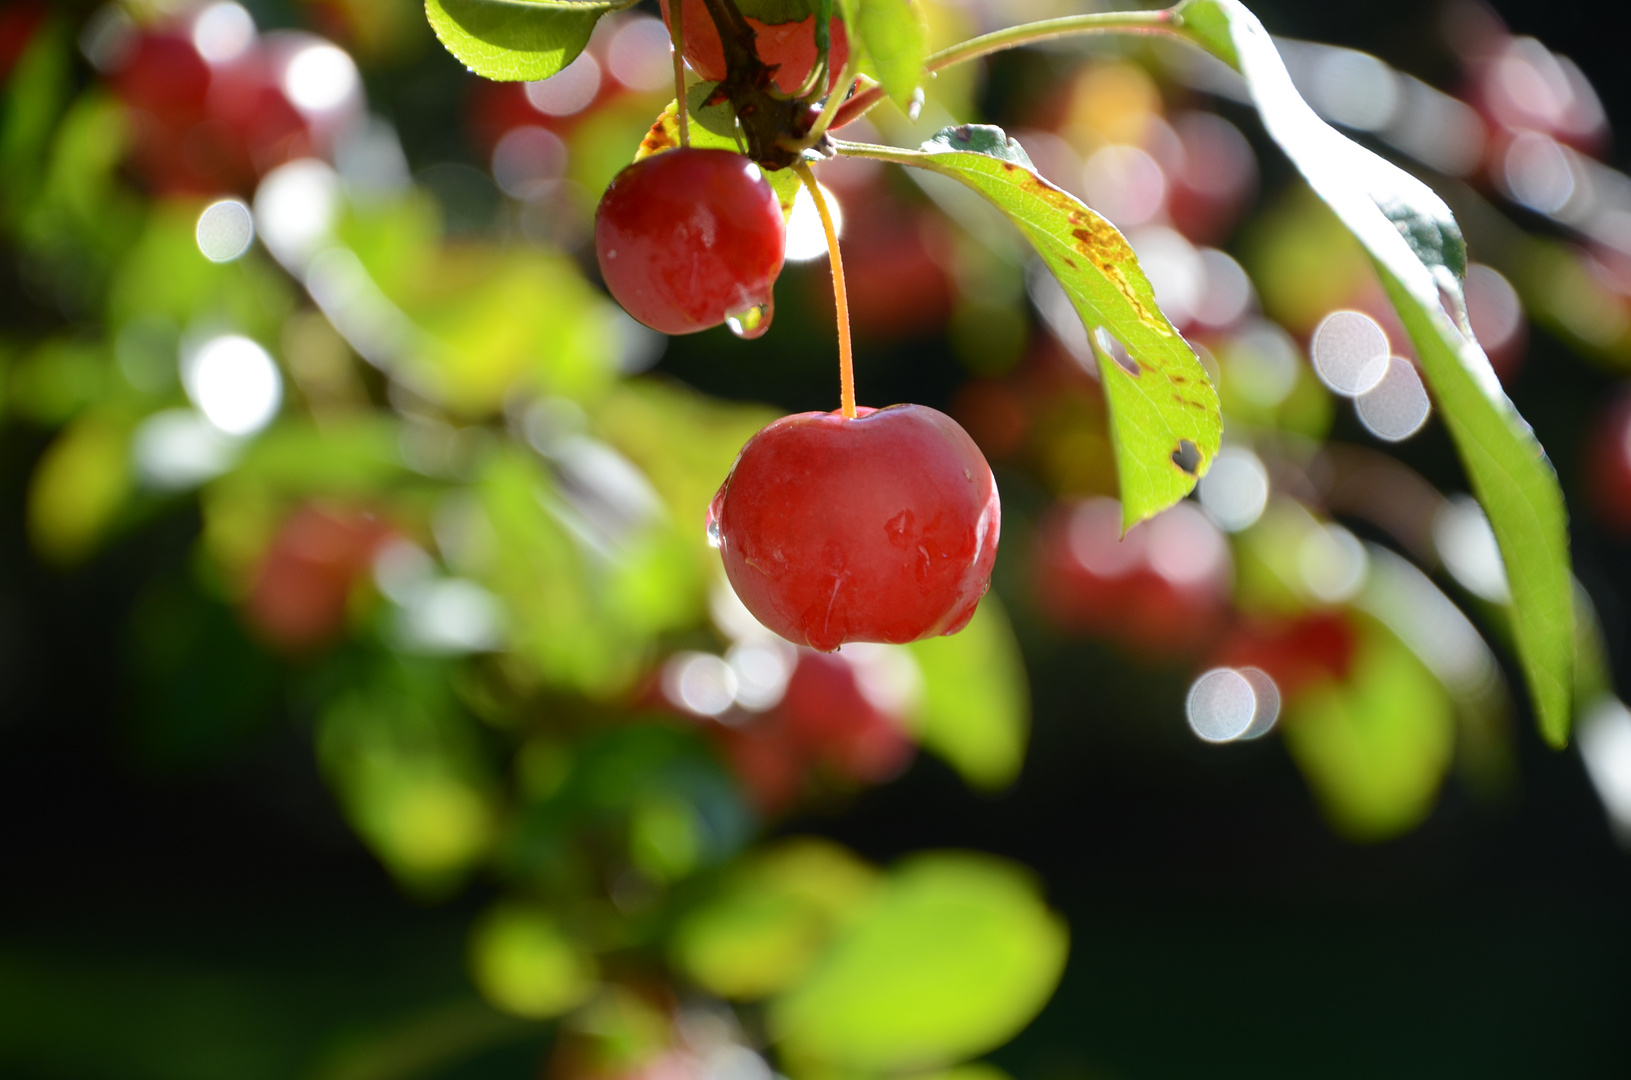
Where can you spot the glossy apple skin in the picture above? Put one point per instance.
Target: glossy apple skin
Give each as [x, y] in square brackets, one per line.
[788, 47]
[879, 528]
[686, 237]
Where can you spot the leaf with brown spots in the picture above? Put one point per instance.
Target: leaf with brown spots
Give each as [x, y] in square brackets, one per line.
[1163, 409]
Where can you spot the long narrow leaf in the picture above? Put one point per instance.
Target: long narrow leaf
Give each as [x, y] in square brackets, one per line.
[1419, 254]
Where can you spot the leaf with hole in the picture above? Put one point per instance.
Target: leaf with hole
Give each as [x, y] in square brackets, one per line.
[1417, 250]
[1164, 418]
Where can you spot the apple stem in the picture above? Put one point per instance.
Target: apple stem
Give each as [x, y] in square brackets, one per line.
[676, 36]
[846, 361]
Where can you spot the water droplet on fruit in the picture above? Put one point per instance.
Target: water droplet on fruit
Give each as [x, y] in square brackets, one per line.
[715, 540]
[751, 323]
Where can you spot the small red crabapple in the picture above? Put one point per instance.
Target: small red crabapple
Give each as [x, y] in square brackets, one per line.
[687, 237]
[879, 527]
[789, 46]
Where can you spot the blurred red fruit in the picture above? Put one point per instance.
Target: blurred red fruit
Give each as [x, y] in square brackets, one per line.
[831, 720]
[18, 23]
[1295, 653]
[203, 128]
[1162, 589]
[303, 585]
[1608, 466]
[1214, 180]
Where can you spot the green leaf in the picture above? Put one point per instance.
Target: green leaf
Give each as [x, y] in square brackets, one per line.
[767, 922]
[956, 955]
[1374, 749]
[409, 771]
[976, 711]
[894, 41]
[524, 963]
[1417, 250]
[1164, 420]
[511, 40]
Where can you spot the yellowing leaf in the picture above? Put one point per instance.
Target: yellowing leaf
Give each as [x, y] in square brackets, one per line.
[1164, 417]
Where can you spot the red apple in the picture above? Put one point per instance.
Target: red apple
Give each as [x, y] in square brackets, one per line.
[787, 46]
[881, 527]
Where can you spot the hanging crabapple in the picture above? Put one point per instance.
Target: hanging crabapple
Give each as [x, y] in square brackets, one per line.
[878, 527]
[688, 237]
[787, 46]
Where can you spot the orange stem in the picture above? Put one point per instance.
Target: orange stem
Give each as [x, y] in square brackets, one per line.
[846, 359]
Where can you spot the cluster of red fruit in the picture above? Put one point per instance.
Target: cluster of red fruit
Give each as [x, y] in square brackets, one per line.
[879, 525]
[214, 105]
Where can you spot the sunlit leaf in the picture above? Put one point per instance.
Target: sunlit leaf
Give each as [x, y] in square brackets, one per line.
[894, 43]
[760, 930]
[499, 322]
[408, 768]
[1164, 419]
[976, 710]
[955, 956]
[517, 39]
[1375, 747]
[524, 963]
[1418, 252]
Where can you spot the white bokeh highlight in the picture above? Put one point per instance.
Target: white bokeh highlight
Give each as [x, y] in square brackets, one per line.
[222, 32]
[225, 230]
[806, 239]
[234, 383]
[1397, 406]
[1221, 705]
[1350, 352]
[1235, 491]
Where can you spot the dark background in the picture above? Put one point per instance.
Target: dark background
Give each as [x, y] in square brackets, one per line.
[163, 918]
